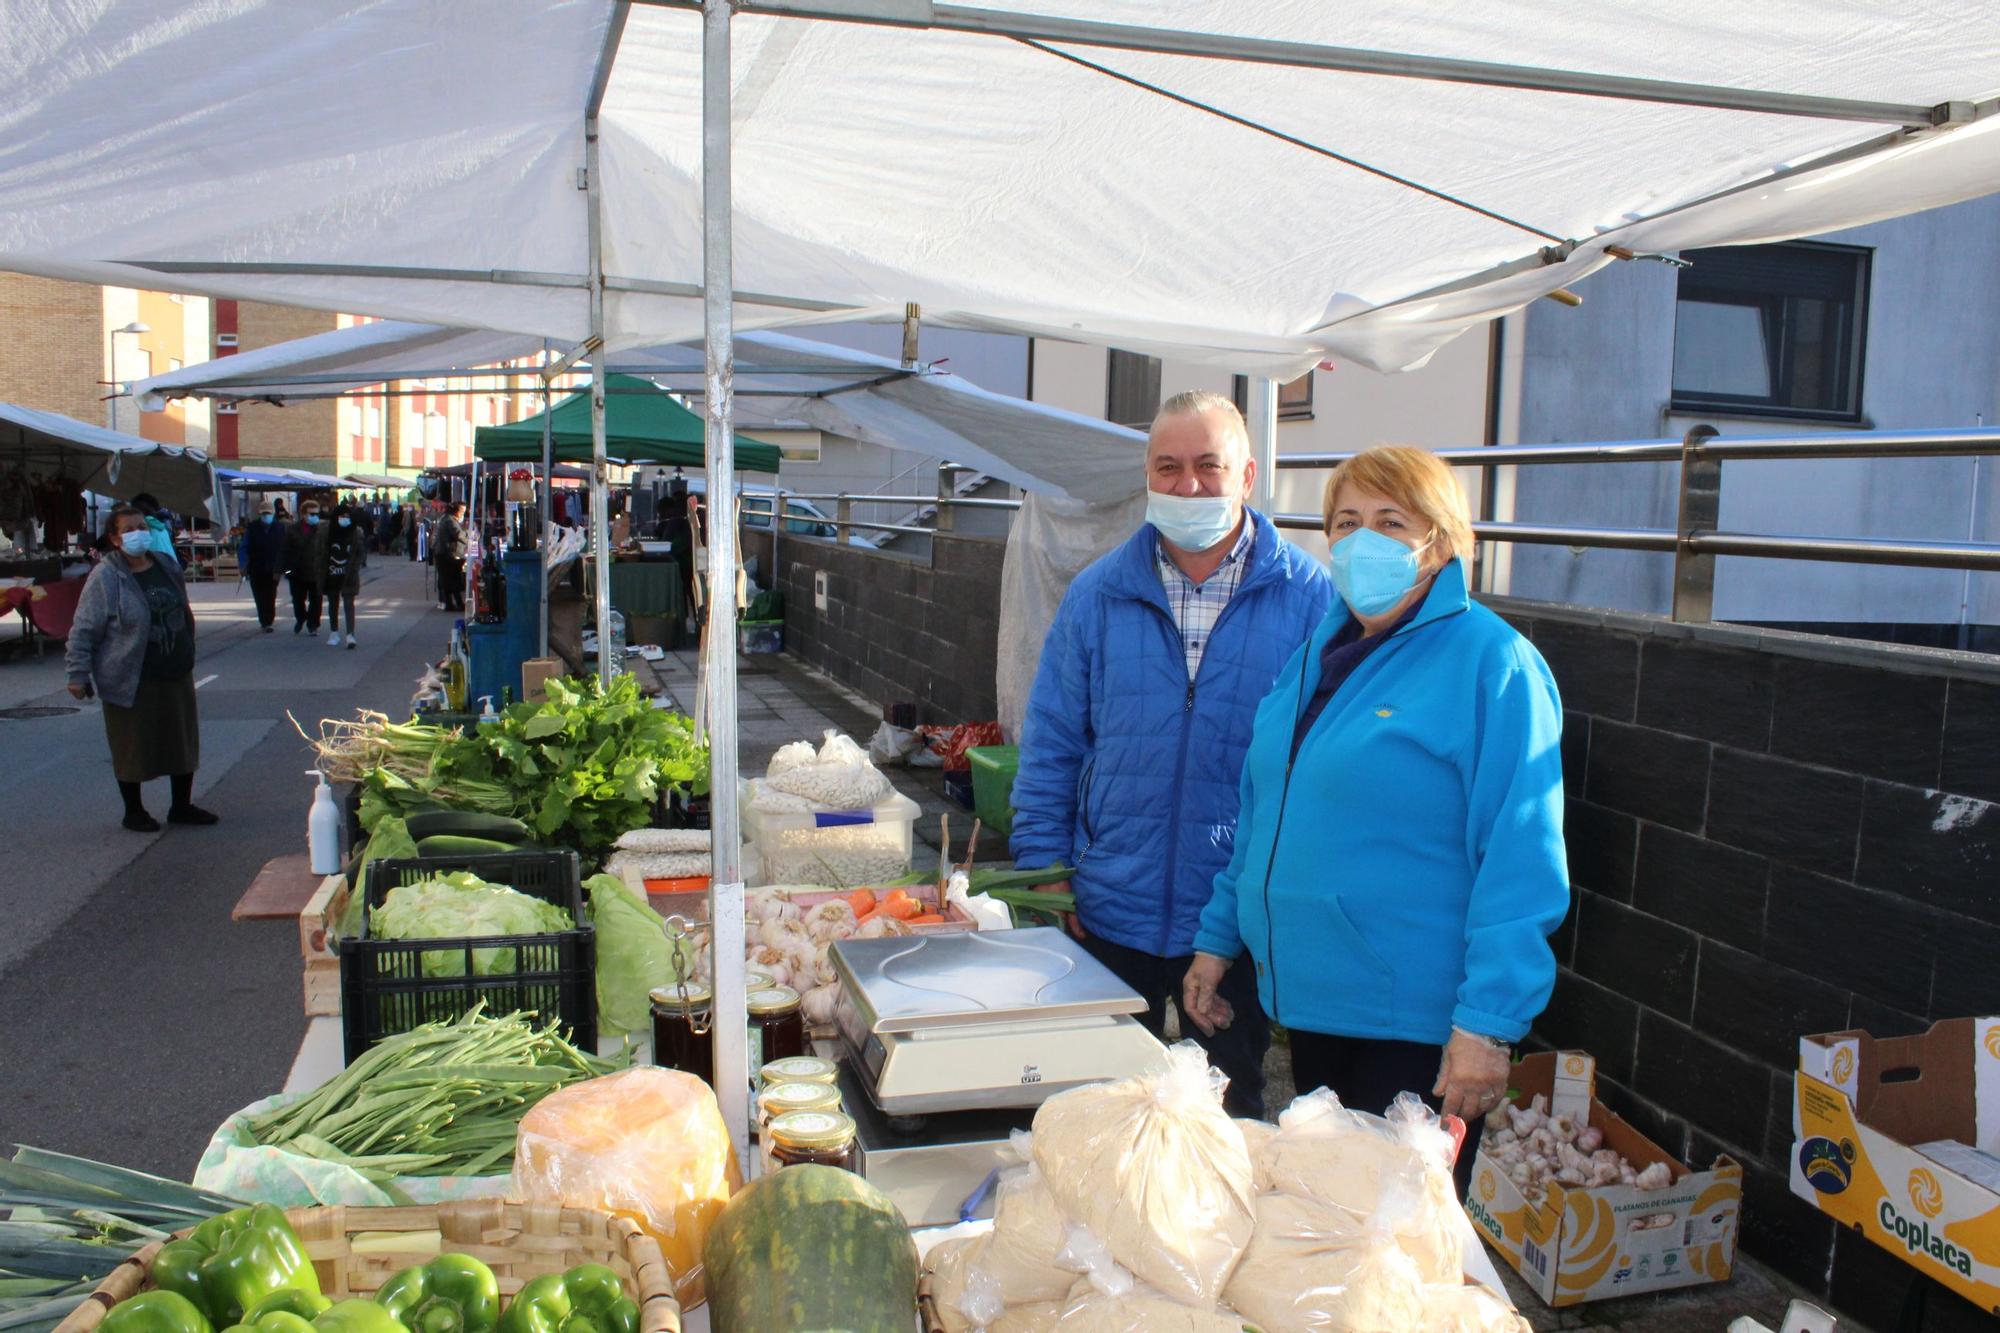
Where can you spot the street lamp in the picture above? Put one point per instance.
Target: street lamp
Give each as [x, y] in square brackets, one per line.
[135, 328]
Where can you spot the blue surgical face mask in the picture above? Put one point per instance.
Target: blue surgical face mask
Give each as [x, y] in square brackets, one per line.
[1372, 572]
[312, 520]
[1192, 522]
[136, 542]
[268, 518]
[345, 521]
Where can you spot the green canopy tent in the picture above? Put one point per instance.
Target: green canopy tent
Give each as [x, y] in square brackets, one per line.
[642, 424]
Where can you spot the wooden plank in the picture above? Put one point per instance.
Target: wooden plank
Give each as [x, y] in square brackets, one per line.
[320, 965]
[282, 889]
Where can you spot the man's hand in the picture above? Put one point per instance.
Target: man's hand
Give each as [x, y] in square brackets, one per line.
[79, 689]
[1472, 1078]
[1071, 921]
[1199, 1000]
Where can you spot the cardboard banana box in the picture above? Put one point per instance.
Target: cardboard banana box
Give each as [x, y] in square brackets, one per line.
[1899, 1138]
[1583, 1243]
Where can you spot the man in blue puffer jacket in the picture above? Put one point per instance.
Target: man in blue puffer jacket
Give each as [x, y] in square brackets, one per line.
[1141, 713]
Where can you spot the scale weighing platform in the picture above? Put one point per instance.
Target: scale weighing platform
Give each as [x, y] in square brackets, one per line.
[949, 1043]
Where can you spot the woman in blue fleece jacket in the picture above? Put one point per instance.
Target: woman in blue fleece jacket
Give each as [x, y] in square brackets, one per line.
[1399, 860]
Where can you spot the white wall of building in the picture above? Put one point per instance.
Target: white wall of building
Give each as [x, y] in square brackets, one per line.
[1933, 352]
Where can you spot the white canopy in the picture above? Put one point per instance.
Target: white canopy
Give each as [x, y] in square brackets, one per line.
[121, 466]
[420, 160]
[845, 392]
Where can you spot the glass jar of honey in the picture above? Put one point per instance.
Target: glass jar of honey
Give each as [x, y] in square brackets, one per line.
[682, 1035]
[799, 1069]
[784, 1098]
[818, 1138]
[777, 1026]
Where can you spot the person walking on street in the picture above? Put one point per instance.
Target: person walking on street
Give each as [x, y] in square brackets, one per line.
[1141, 713]
[343, 550]
[300, 562]
[132, 642]
[262, 555]
[449, 548]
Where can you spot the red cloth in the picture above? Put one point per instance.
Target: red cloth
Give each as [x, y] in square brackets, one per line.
[953, 742]
[54, 614]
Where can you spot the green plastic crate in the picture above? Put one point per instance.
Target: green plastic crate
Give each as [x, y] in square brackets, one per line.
[993, 770]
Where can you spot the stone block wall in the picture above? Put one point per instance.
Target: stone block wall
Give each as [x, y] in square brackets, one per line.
[896, 627]
[1770, 835]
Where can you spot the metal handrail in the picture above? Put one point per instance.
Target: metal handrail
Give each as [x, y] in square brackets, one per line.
[1695, 542]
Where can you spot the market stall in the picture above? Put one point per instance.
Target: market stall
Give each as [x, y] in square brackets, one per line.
[592, 239]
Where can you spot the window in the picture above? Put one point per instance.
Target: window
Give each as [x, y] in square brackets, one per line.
[1295, 398]
[1132, 395]
[1772, 330]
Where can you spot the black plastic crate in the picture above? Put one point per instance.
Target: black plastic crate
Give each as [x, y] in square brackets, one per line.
[383, 989]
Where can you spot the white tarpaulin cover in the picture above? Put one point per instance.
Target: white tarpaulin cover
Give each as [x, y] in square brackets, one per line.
[432, 147]
[866, 397]
[120, 466]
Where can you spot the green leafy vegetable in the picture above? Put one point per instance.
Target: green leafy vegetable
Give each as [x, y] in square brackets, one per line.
[633, 954]
[580, 769]
[460, 905]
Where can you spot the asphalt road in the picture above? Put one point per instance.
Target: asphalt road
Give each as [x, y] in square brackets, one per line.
[134, 1014]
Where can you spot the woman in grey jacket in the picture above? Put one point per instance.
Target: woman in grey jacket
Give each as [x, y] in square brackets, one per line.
[133, 641]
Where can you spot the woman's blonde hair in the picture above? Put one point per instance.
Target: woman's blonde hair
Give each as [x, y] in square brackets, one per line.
[1419, 483]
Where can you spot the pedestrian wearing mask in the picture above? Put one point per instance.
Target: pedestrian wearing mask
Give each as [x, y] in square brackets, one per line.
[343, 550]
[301, 567]
[1141, 712]
[262, 556]
[132, 642]
[1400, 862]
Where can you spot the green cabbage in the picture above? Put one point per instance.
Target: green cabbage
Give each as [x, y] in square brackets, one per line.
[633, 955]
[460, 905]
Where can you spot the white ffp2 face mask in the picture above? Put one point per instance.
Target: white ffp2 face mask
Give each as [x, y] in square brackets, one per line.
[1192, 522]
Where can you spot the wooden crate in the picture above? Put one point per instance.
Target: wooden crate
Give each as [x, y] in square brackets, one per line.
[320, 964]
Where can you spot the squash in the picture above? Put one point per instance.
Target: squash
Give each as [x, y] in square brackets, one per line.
[808, 1249]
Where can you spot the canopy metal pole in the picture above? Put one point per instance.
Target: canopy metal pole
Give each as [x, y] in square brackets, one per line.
[600, 496]
[725, 906]
[543, 505]
[1262, 419]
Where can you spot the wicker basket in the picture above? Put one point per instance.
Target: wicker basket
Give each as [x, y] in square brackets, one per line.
[518, 1241]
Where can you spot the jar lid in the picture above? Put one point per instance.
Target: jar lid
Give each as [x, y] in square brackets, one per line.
[772, 1000]
[813, 1129]
[755, 980]
[799, 1069]
[669, 997]
[784, 1098]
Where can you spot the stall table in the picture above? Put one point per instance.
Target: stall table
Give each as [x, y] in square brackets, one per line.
[649, 588]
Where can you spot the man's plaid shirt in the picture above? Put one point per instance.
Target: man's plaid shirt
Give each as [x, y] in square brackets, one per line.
[1196, 607]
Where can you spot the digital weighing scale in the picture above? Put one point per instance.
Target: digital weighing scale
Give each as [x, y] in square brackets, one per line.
[949, 1042]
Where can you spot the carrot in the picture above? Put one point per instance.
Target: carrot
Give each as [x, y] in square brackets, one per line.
[926, 919]
[862, 901]
[901, 905]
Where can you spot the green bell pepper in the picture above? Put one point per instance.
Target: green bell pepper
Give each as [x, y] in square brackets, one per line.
[453, 1293]
[287, 1310]
[156, 1312]
[589, 1298]
[230, 1263]
[355, 1315]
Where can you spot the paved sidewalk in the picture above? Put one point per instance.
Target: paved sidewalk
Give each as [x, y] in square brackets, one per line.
[138, 1014]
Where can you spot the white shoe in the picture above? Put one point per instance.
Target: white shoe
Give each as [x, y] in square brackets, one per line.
[350, 641]
[333, 638]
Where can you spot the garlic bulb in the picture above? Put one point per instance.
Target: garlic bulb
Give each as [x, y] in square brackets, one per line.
[1537, 1149]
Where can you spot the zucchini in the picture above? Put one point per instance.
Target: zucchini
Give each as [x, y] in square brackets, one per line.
[467, 824]
[446, 844]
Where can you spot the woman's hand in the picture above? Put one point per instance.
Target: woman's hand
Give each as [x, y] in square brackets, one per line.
[79, 689]
[1199, 1000]
[1472, 1078]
